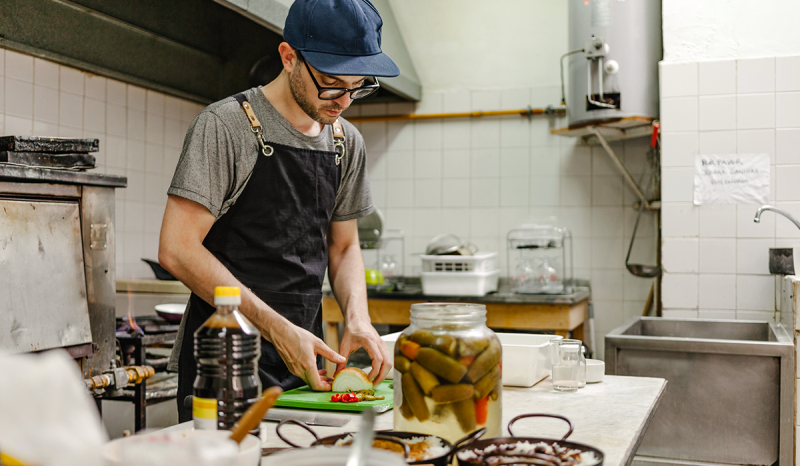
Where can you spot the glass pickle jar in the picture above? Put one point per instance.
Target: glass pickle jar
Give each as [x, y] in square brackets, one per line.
[448, 367]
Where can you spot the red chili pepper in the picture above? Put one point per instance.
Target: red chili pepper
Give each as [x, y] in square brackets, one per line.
[349, 398]
[337, 397]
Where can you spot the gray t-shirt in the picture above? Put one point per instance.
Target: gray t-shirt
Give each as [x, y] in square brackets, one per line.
[220, 152]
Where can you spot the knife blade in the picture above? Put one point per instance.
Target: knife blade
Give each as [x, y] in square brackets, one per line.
[309, 417]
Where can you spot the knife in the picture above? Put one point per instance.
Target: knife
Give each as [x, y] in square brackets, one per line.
[309, 417]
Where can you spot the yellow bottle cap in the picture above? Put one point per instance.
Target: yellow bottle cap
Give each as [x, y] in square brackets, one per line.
[227, 296]
[227, 291]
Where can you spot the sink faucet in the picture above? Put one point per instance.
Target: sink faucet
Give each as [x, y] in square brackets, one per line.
[761, 209]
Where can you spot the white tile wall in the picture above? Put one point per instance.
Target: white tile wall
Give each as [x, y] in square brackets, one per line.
[715, 256]
[141, 133]
[494, 173]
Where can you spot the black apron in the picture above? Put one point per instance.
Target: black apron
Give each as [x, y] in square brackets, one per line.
[273, 240]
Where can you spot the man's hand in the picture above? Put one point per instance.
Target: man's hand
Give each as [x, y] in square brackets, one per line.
[299, 349]
[363, 335]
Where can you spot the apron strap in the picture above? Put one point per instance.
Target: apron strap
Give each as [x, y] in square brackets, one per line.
[338, 141]
[255, 125]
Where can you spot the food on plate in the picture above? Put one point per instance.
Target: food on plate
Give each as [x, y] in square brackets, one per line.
[529, 453]
[351, 379]
[420, 448]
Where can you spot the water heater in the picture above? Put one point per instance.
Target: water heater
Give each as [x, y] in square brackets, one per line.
[613, 66]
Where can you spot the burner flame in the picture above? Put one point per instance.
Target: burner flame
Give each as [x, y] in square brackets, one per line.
[133, 329]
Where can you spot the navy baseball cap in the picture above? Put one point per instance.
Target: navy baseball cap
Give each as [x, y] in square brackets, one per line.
[339, 37]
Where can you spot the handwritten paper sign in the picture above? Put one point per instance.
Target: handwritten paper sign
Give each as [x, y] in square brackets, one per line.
[731, 179]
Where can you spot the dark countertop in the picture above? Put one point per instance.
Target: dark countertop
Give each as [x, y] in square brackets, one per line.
[413, 292]
[49, 175]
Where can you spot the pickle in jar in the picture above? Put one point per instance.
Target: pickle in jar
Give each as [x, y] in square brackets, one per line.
[402, 364]
[452, 393]
[471, 346]
[447, 344]
[486, 383]
[416, 399]
[426, 379]
[405, 409]
[485, 361]
[465, 414]
[441, 364]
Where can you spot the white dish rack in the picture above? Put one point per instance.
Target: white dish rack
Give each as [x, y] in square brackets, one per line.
[459, 275]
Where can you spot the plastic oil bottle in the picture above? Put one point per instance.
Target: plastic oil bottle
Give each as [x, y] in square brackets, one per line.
[226, 347]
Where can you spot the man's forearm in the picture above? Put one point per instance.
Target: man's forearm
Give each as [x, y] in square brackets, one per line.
[346, 273]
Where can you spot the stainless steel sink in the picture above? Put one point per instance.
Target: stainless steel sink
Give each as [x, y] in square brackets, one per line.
[730, 389]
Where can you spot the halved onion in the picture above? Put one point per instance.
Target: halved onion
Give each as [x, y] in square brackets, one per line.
[351, 379]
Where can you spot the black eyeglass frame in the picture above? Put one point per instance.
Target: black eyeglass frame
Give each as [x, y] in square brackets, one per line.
[342, 90]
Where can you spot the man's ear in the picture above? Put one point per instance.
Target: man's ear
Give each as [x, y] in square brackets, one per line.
[288, 56]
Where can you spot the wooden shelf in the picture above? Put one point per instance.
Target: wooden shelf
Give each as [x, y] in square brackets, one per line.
[612, 130]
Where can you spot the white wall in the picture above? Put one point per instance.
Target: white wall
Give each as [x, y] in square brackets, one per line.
[479, 178]
[715, 256]
[140, 131]
[730, 83]
[729, 29]
[475, 44]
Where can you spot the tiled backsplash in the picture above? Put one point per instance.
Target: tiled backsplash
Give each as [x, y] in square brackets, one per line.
[140, 131]
[479, 178]
[715, 256]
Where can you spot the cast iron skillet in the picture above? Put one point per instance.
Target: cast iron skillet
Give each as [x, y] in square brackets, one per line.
[391, 436]
[483, 444]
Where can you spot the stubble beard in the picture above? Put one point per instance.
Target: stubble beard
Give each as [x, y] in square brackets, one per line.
[296, 86]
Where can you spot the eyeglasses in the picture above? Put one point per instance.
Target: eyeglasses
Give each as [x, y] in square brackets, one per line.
[333, 93]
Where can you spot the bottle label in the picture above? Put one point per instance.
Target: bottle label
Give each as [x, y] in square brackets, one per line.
[204, 412]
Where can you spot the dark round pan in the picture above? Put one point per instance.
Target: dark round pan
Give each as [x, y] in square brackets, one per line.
[391, 436]
[483, 444]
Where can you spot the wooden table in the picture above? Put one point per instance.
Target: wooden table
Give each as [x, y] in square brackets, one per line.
[564, 315]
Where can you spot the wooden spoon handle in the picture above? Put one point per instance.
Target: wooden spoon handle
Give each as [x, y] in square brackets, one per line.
[252, 417]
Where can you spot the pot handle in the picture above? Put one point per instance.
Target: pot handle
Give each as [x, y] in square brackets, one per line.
[469, 438]
[296, 422]
[399, 441]
[555, 416]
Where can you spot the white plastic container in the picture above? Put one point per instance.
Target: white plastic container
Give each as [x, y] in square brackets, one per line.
[526, 357]
[482, 263]
[459, 283]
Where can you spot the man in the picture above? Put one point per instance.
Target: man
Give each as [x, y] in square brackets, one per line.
[266, 196]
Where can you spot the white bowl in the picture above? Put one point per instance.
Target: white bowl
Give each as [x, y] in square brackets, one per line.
[595, 369]
[249, 450]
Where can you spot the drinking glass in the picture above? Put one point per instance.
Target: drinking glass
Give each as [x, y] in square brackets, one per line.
[568, 364]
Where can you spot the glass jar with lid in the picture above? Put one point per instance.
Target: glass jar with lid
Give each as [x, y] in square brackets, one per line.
[448, 372]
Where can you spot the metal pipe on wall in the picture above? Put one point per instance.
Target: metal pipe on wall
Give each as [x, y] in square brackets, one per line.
[528, 112]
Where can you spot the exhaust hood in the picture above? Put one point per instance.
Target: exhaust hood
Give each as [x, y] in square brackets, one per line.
[272, 14]
[201, 50]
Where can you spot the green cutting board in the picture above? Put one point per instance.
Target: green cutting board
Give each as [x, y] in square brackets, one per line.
[304, 397]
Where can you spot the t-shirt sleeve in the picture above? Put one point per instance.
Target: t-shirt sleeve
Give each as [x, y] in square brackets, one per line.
[354, 199]
[205, 169]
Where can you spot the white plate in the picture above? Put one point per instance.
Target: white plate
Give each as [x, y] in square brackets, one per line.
[178, 309]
